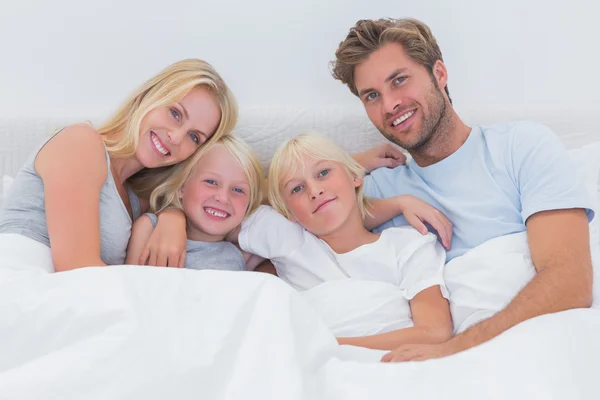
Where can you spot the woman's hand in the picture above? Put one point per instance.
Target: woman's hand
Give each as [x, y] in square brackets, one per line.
[417, 212]
[386, 155]
[167, 244]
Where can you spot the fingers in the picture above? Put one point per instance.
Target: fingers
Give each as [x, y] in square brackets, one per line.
[416, 223]
[443, 226]
[153, 259]
[144, 256]
[392, 151]
[181, 263]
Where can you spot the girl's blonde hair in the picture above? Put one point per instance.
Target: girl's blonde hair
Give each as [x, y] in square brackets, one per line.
[167, 193]
[168, 87]
[289, 157]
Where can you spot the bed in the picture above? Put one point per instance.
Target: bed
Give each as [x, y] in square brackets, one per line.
[127, 332]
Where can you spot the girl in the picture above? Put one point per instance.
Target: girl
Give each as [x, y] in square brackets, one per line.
[216, 189]
[72, 203]
[317, 234]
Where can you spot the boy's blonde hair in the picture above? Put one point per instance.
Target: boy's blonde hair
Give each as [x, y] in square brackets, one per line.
[289, 157]
[168, 87]
[167, 194]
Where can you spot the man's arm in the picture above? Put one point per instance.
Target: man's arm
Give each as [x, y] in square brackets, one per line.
[560, 251]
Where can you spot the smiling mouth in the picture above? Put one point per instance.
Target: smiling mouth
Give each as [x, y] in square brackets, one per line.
[323, 204]
[403, 118]
[158, 144]
[216, 213]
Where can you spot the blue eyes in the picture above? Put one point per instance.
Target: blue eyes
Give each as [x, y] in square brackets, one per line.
[297, 189]
[194, 137]
[372, 95]
[212, 182]
[175, 114]
[321, 174]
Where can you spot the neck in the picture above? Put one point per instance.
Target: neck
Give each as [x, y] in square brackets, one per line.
[197, 235]
[123, 168]
[450, 134]
[350, 235]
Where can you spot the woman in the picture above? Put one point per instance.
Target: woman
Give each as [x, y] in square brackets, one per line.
[73, 202]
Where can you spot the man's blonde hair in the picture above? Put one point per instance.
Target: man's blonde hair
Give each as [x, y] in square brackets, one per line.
[167, 193]
[168, 87]
[369, 35]
[289, 157]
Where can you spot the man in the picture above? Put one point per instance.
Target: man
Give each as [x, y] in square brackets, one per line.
[489, 181]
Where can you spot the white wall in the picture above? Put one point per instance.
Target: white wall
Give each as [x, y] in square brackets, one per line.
[79, 58]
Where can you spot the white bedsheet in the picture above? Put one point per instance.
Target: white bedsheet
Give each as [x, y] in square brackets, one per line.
[128, 332]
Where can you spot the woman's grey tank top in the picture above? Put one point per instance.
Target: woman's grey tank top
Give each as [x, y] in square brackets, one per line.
[23, 211]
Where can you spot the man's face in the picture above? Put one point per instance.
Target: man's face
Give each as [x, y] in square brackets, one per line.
[400, 96]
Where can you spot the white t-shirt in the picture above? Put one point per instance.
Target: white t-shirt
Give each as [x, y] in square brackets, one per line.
[401, 256]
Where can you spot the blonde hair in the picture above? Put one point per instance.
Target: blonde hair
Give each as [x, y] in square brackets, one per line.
[289, 156]
[369, 35]
[169, 86]
[167, 193]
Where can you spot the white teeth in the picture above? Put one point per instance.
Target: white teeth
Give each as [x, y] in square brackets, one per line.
[403, 118]
[216, 213]
[158, 145]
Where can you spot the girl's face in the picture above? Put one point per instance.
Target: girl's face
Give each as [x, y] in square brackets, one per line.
[171, 134]
[216, 196]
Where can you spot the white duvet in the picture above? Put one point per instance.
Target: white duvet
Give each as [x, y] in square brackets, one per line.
[130, 332]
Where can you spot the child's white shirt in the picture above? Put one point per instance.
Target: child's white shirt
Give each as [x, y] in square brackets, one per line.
[401, 256]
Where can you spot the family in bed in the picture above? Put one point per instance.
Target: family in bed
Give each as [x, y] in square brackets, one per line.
[164, 183]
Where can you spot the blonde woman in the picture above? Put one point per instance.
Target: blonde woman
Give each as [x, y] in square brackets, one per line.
[74, 201]
[216, 189]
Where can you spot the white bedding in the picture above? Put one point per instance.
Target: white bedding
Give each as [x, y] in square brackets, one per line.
[129, 332]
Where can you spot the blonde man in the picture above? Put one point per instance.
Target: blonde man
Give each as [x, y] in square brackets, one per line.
[489, 180]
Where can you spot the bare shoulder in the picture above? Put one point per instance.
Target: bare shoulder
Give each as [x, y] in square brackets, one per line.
[76, 146]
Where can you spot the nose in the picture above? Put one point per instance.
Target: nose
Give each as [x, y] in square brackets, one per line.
[315, 191]
[176, 136]
[391, 104]
[222, 195]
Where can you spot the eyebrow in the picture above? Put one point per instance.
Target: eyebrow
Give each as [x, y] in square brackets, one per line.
[316, 165]
[389, 78]
[186, 115]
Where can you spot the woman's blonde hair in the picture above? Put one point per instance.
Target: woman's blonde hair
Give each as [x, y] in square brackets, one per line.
[168, 87]
[289, 157]
[167, 193]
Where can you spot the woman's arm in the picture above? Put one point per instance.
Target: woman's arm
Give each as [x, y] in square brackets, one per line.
[432, 324]
[73, 168]
[140, 233]
[167, 244]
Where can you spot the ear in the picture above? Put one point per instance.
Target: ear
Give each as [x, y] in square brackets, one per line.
[357, 182]
[441, 74]
[180, 192]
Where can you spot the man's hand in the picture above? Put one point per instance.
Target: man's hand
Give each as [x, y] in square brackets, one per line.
[386, 155]
[420, 352]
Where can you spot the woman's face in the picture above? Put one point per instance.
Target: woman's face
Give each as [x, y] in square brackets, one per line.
[171, 134]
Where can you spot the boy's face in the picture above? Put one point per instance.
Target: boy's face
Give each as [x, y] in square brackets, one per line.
[321, 195]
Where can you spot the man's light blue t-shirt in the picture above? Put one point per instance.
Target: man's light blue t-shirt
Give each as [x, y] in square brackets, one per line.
[488, 188]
